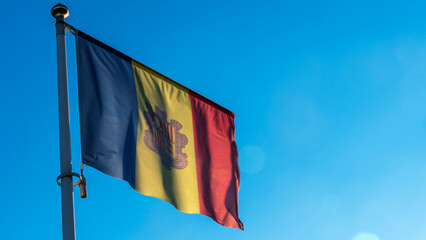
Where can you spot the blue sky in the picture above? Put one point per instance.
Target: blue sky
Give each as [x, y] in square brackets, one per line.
[329, 102]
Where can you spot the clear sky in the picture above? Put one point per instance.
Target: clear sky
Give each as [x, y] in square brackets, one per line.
[330, 119]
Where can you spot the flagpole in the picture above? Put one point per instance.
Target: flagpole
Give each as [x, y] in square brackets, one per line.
[60, 12]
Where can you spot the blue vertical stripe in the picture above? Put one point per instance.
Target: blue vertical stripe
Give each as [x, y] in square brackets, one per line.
[108, 108]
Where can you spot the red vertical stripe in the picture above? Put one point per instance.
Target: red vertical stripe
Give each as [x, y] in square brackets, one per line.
[171, 134]
[217, 163]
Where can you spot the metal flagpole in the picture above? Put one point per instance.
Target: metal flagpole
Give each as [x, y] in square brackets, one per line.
[60, 12]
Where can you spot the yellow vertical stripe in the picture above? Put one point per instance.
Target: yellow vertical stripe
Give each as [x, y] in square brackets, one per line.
[154, 178]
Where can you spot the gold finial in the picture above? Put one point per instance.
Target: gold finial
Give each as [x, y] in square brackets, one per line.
[60, 10]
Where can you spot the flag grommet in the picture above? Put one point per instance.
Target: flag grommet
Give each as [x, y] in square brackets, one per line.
[69, 174]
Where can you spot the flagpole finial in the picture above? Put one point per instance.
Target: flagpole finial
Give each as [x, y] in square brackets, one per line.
[60, 10]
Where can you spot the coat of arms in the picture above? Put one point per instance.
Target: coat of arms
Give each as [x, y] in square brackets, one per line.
[164, 138]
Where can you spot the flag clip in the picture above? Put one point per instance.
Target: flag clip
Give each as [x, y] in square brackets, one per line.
[81, 182]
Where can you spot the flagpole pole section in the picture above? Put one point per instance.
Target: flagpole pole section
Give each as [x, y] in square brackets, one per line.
[60, 12]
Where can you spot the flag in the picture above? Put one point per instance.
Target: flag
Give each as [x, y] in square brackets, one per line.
[162, 138]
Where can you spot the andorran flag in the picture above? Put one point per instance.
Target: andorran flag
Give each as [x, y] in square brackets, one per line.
[162, 138]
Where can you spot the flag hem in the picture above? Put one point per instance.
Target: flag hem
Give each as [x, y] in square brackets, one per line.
[155, 73]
